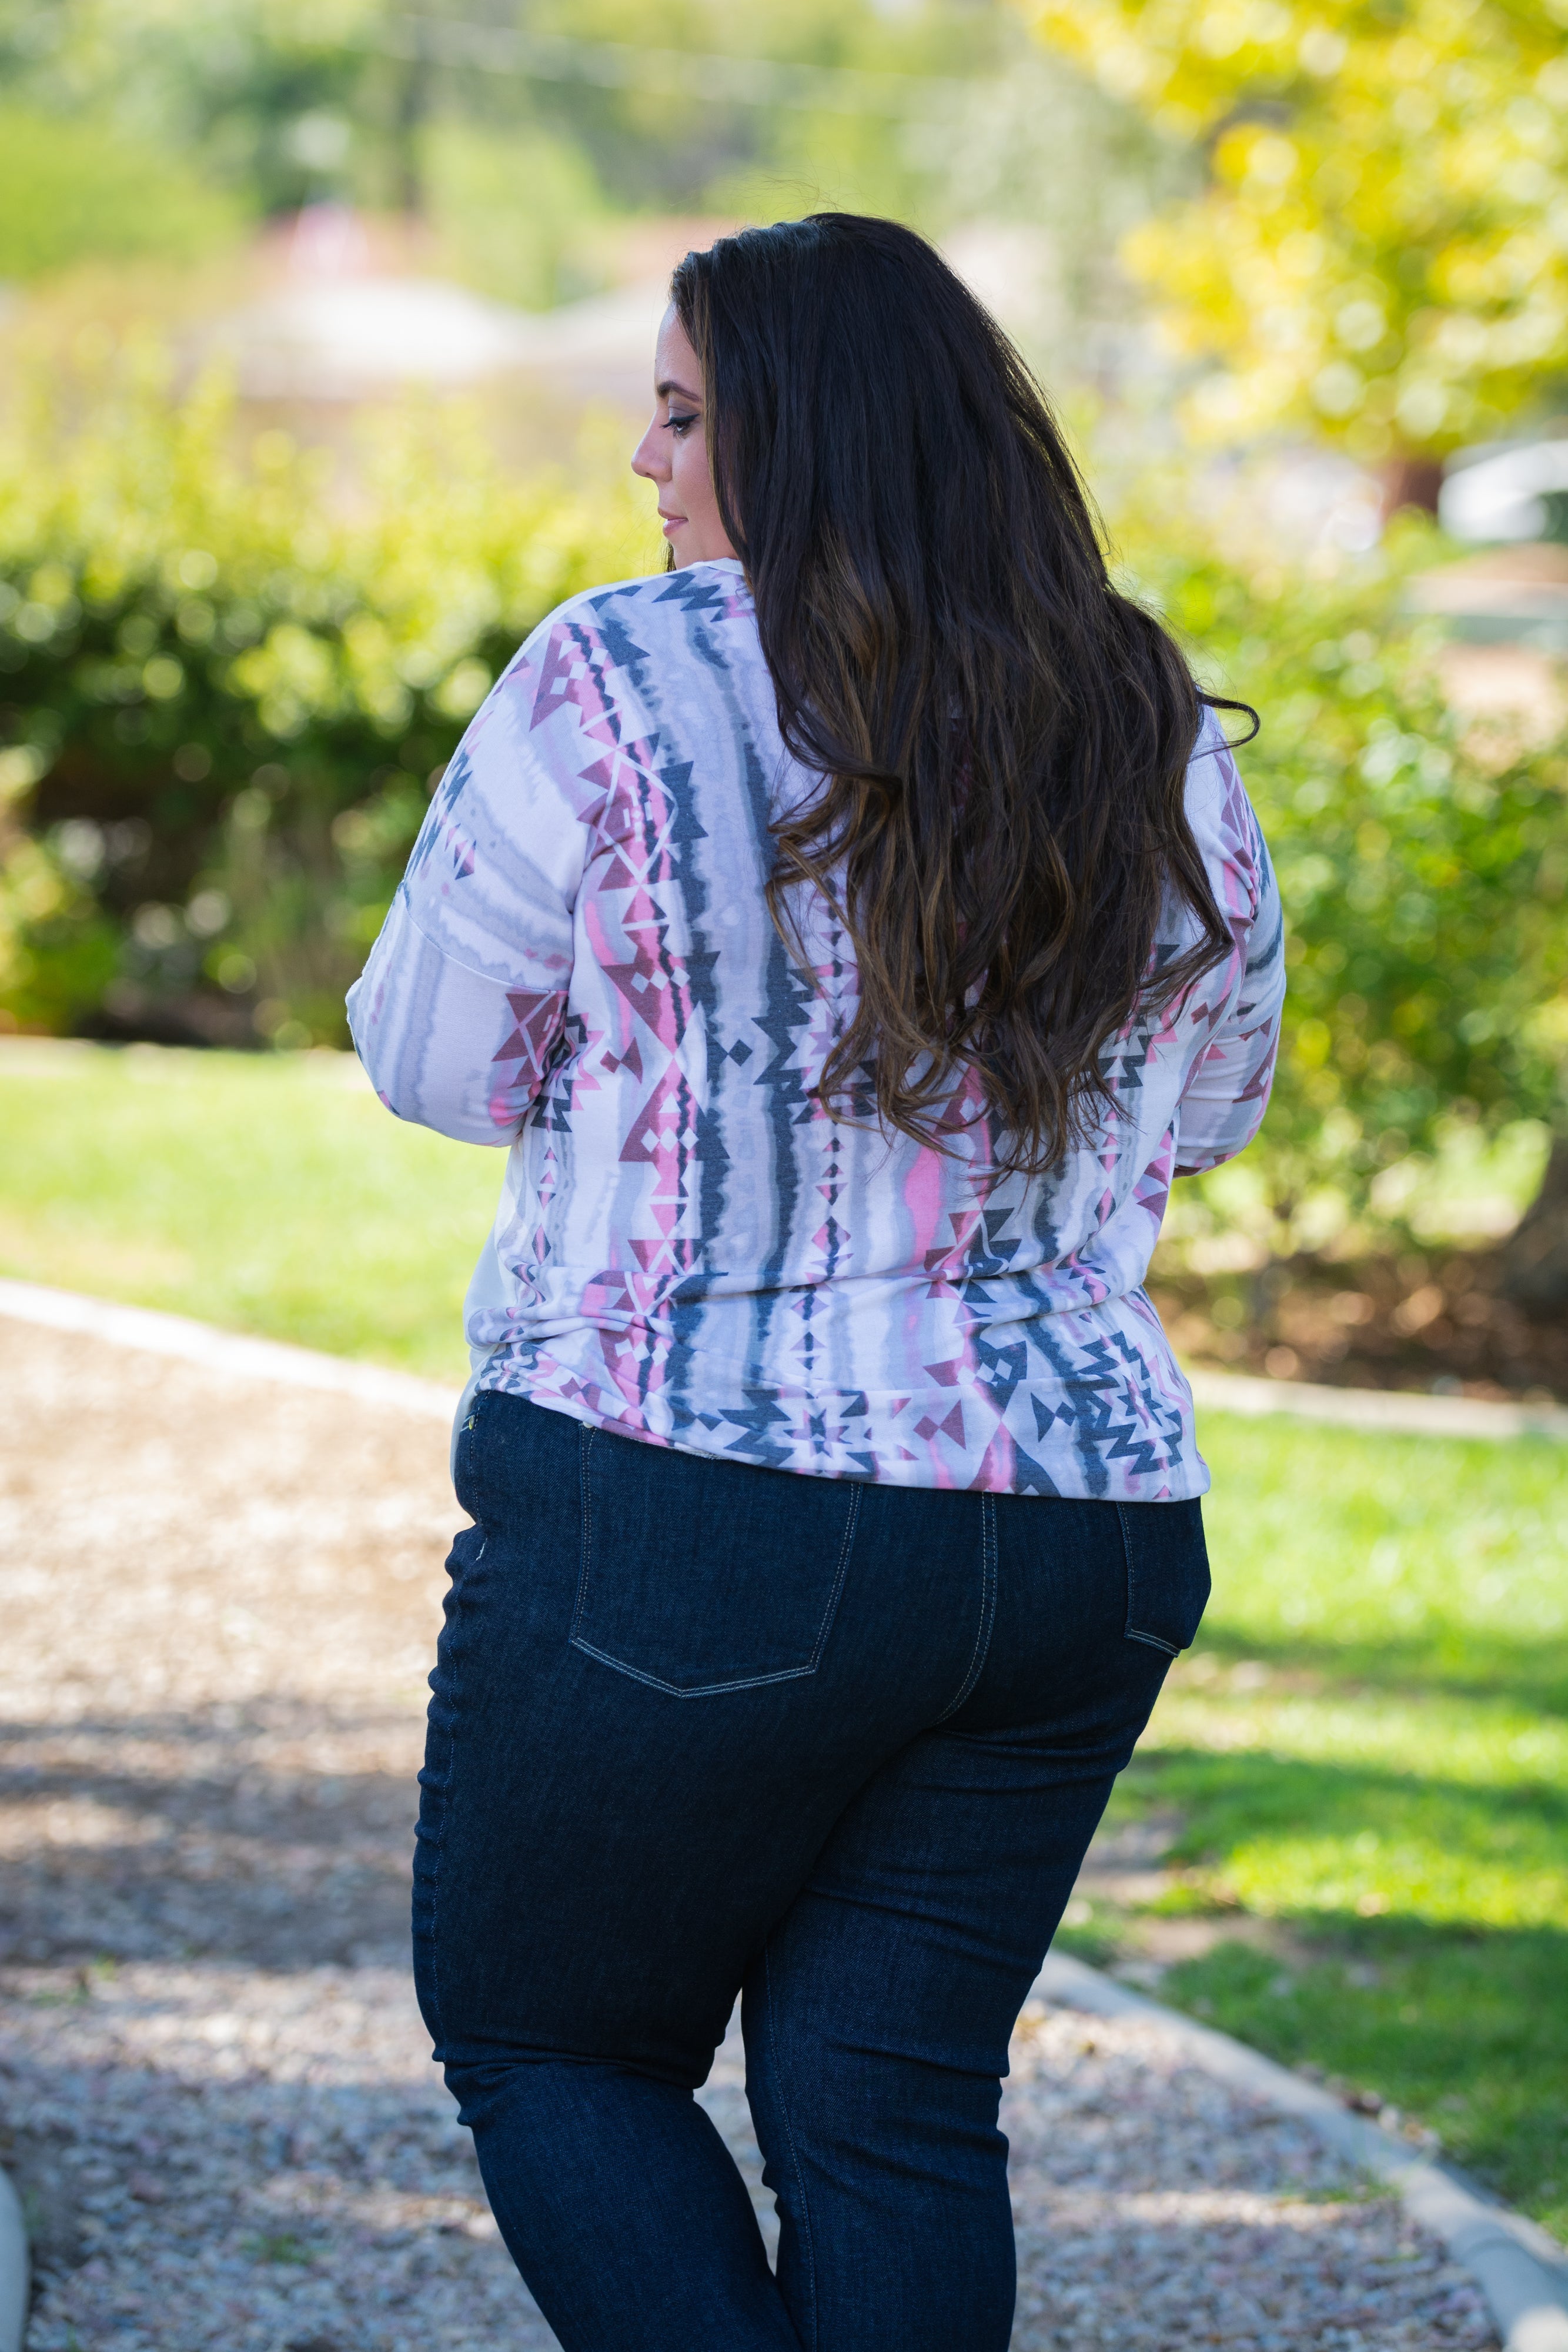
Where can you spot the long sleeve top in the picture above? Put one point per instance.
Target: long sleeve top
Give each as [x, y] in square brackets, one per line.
[579, 966]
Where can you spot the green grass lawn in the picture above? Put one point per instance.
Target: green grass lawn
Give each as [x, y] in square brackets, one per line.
[1358, 1781]
[265, 1192]
[1360, 1776]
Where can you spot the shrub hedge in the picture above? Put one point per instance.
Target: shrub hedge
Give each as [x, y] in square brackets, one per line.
[230, 670]
[1423, 862]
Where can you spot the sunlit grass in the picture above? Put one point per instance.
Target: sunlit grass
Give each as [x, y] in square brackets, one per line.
[1468, 2033]
[267, 1193]
[1479, 1743]
[1365, 1761]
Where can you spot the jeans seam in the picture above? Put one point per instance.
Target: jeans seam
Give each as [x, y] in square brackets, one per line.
[987, 1606]
[831, 1610]
[584, 1443]
[808, 2245]
[448, 1798]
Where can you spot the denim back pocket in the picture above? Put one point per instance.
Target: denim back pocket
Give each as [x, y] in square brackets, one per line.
[700, 1575]
[1167, 1572]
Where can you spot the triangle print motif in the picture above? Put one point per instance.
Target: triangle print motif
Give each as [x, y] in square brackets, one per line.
[695, 1248]
[574, 674]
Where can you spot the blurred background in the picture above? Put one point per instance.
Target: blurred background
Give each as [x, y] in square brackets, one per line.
[322, 332]
[325, 336]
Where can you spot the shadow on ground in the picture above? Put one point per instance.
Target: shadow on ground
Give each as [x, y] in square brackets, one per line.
[215, 1834]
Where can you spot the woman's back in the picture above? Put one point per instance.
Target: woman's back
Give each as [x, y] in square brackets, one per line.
[690, 1248]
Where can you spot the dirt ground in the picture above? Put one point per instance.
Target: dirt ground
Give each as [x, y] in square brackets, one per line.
[1433, 1320]
[220, 1599]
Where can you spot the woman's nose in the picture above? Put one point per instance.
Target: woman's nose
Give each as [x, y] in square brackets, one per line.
[648, 460]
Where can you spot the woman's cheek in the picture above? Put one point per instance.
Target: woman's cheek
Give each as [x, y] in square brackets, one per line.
[689, 478]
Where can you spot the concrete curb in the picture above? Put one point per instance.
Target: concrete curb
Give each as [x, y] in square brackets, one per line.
[13, 2269]
[1391, 1409]
[1522, 2272]
[271, 1359]
[222, 1351]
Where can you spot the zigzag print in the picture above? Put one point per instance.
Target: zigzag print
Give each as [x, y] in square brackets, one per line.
[690, 1249]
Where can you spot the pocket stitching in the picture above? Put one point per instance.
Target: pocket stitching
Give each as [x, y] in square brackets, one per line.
[704, 1690]
[700, 1690]
[987, 1605]
[1130, 1632]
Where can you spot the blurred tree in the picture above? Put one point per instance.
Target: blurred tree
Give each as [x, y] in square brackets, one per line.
[279, 100]
[1381, 253]
[74, 188]
[289, 99]
[520, 147]
[658, 142]
[1381, 256]
[519, 211]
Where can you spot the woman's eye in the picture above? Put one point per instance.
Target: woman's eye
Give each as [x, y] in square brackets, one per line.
[679, 423]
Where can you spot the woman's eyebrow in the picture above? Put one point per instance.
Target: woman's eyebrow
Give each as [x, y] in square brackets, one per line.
[663, 391]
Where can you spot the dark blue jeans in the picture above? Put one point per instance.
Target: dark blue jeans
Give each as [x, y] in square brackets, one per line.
[701, 1728]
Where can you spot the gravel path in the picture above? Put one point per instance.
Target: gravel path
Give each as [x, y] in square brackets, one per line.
[219, 1599]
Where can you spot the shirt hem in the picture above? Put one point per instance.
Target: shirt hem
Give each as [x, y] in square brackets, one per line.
[1172, 1482]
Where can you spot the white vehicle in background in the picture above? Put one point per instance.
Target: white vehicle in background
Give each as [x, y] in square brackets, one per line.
[1512, 597]
[1506, 491]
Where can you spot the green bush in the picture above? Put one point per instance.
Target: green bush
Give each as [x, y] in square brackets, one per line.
[229, 671]
[1423, 862]
[229, 674]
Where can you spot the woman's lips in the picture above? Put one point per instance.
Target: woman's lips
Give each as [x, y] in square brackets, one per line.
[671, 522]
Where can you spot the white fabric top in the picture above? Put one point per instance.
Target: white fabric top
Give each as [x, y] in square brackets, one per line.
[579, 965]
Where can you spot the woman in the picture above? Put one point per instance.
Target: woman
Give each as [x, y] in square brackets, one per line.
[851, 934]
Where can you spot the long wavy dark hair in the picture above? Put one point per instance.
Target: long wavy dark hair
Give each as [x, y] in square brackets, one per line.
[1003, 738]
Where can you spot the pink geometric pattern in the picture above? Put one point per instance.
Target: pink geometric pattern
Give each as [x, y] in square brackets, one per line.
[579, 966]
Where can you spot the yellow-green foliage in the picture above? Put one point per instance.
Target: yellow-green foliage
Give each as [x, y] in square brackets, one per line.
[1423, 867]
[228, 668]
[72, 188]
[1380, 253]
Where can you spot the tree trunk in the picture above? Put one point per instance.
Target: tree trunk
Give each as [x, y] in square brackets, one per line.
[1410, 480]
[1535, 1260]
[413, 106]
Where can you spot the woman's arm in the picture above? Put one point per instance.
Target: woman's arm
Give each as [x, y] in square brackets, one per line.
[1226, 1095]
[461, 1007]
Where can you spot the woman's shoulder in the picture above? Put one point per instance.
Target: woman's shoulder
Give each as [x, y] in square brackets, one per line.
[607, 644]
[659, 601]
[607, 664]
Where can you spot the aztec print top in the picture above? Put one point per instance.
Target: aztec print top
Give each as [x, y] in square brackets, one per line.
[580, 964]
